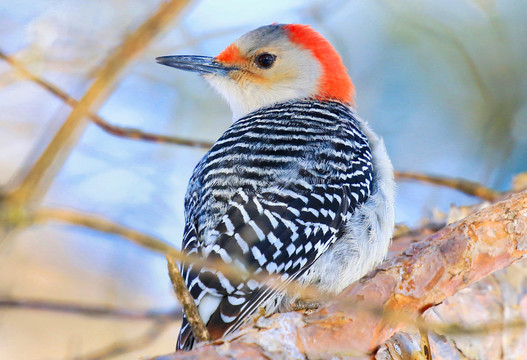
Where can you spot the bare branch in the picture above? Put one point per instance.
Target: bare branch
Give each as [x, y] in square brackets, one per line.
[136, 134]
[37, 179]
[423, 276]
[199, 329]
[126, 346]
[99, 223]
[465, 186]
[125, 132]
[87, 310]
[104, 225]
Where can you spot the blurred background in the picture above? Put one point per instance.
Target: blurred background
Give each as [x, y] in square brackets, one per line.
[443, 81]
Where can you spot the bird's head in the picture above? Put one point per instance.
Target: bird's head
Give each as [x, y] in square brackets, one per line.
[271, 64]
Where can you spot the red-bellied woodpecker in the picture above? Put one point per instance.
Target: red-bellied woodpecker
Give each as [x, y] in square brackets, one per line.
[297, 187]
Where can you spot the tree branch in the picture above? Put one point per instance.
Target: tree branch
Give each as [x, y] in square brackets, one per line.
[186, 300]
[465, 186]
[125, 132]
[37, 179]
[369, 312]
[126, 346]
[87, 310]
[468, 187]
[99, 223]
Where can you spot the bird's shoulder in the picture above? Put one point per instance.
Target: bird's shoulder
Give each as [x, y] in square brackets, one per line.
[283, 138]
[293, 149]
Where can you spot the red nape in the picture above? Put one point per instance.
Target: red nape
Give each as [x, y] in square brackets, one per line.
[335, 83]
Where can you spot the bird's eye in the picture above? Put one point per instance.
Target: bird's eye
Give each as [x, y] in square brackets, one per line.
[265, 60]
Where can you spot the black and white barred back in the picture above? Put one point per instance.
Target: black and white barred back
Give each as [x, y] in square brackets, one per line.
[270, 197]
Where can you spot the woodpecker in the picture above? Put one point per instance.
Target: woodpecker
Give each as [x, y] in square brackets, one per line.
[298, 187]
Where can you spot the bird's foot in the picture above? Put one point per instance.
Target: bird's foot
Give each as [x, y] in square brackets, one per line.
[260, 313]
[306, 304]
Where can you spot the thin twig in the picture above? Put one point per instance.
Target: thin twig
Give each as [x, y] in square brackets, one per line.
[426, 349]
[136, 134]
[99, 223]
[150, 242]
[126, 346]
[104, 225]
[425, 275]
[465, 186]
[199, 330]
[121, 131]
[87, 310]
[38, 178]
[474, 330]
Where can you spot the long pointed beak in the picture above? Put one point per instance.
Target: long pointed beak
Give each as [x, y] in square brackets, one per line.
[196, 63]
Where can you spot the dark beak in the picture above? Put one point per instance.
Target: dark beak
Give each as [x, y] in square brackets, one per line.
[196, 63]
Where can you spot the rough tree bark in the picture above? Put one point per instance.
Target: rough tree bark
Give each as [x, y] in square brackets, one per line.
[393, 296]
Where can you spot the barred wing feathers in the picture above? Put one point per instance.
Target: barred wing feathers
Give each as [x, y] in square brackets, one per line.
[280, 226]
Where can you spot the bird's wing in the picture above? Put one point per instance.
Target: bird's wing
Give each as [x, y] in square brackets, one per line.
[185, 339]
[266, 234]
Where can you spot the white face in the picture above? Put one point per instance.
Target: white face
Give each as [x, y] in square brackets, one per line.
[293, 72]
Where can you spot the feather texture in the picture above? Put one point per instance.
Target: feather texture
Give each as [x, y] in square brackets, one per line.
[274, 193]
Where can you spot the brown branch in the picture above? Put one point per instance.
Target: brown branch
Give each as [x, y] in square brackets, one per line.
[87, 310]
[136, 134]
[425, 341]
[37, 179]
[125, 132]
[102, 224]
[186, 300]
[126, 346]
[465, 186]
[455, 329]
[425, 275]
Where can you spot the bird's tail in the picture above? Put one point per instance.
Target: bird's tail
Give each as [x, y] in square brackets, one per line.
[185, 340]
